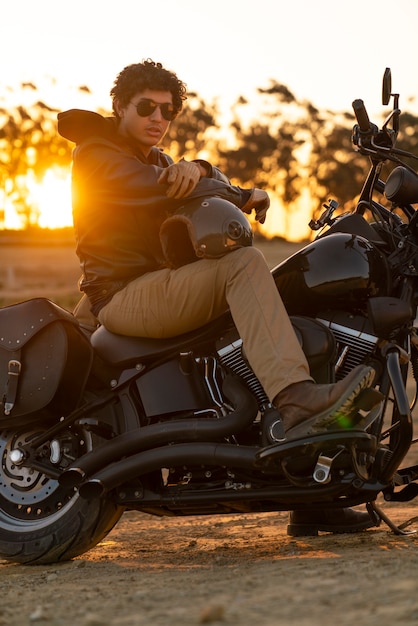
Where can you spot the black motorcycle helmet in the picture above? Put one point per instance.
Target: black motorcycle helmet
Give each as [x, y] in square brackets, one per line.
[204, 228]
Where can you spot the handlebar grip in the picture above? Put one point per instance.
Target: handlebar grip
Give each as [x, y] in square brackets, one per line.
[361, 115]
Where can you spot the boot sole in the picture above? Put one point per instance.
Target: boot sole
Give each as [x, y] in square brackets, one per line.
[312, 530]
[341, 411]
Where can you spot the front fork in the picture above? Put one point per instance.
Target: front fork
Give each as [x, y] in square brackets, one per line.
[401, 429]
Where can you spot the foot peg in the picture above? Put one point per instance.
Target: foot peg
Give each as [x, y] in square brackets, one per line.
[368, 399]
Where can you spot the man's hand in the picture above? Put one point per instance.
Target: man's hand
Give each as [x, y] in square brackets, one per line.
[260, 202]
[181, 178]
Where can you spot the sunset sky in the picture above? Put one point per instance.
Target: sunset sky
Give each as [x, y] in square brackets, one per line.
[328, 52]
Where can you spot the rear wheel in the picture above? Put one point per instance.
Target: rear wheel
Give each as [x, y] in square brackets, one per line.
[40, 521]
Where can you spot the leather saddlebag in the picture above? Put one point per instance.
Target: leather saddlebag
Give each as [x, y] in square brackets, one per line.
[44, 361]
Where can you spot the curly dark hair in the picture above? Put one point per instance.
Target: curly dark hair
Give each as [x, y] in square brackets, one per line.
[146, 75]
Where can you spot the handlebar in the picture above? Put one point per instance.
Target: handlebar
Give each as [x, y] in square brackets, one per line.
[369, 139]
[379, 146]
[361, 115]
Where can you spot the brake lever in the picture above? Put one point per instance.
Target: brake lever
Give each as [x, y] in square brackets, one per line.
[364, 140]
[384, 140]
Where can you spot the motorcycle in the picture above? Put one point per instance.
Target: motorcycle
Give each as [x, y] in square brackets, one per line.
[93, 424]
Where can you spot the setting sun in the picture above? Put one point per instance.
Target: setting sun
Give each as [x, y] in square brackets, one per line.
[50, 202]
[50, 199]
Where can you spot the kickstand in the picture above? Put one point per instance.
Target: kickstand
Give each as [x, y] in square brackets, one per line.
[375, 510]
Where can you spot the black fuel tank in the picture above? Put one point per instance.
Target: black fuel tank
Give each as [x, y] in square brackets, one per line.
[338, 271]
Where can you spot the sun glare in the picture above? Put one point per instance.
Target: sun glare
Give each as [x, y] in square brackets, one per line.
[53, 198]
[50, 200]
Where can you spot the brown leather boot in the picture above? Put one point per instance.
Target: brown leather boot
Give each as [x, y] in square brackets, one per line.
[309, 523]
[307, 408]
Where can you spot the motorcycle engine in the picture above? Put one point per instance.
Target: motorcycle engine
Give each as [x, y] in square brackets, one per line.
[231, 355]
[354, 338]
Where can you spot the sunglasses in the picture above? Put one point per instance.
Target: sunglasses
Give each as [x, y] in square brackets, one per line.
[146, 107]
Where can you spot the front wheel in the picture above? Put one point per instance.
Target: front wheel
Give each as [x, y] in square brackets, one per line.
[40, 521]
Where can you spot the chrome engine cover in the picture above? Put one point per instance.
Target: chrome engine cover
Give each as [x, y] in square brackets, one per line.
[354, 338]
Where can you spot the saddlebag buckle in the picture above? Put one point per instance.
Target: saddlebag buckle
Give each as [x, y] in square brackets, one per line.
[14, 369]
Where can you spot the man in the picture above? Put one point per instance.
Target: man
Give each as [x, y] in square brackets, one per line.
[124, 188]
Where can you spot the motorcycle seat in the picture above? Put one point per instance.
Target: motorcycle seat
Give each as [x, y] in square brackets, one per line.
[122, 351]
[317, 342]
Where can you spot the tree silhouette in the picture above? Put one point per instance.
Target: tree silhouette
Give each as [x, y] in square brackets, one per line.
[277, 143]
[29, 144]
[191, 134]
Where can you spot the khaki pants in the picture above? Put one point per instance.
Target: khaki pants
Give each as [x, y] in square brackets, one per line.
[83, 314]
[170, 302]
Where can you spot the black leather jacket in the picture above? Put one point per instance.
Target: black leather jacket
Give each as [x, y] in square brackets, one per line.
[118, 206]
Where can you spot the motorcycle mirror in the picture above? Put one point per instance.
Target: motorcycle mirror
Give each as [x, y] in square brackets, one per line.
[386, 86]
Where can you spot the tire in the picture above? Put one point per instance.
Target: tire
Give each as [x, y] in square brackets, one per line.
[40, 521]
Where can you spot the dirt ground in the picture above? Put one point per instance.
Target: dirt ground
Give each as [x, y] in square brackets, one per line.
[223, 570]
